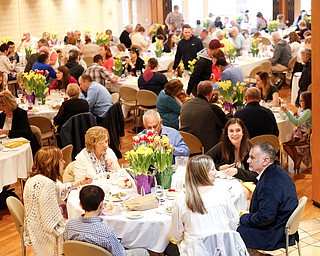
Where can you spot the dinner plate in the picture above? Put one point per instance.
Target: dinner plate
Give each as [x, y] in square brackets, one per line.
[2, 136]
[134, 215]
[121, 196]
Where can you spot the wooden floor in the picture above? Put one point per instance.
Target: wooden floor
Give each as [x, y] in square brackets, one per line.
[10, 241]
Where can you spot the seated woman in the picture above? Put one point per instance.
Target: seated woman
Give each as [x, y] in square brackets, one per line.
[170, 44]
[43, 221]
[71, 107]
[269, 92]
[2, 84]
[63, 79]
[105, 52]
[5, 64]
[14, 120]
[231, 154]
[304, 123]
[135, 62]
[151, 79]
[138, 38]
[168, 104]
[96, 157]
[204, 208]
[42, 64]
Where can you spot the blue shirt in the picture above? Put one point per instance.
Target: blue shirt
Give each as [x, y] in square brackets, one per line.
[92, 230]
[176, 140]
[44, 67]
[99, 99]
[233, 74]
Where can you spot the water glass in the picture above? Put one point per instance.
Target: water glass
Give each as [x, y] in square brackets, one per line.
[138, 73]
[20, 93]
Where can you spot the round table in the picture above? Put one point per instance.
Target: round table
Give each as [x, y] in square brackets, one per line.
[15, 163]
[144, 232]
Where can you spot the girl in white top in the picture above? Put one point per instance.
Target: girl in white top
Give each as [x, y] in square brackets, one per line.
[203, 209]
[97, 157]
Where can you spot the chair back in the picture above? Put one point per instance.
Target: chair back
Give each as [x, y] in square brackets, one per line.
[265, 41]
[293, 222]
[78, 248]
[68, 174]
[194, 144]
[254, 71]
[37, 133]
[115, 97]
[272, 139]
[67, 154]
[88, 60]
[170, 66]
[310, 88]
[44, 123]
[266, 66]
[147, 98]
[291, 63]
[128, 93]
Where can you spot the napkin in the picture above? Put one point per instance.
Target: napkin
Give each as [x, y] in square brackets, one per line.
[141, 203]
[249, 185]
[15, 144]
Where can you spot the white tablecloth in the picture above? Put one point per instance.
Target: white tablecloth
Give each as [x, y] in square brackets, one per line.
[42, 110]
[14, 164]
[144, 232]
[295, 87]
[246, 64]
[285, 127]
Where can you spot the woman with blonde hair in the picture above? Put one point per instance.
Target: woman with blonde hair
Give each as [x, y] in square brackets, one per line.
[204, 208]
[43, 222]
[269, 92]
[96, 158]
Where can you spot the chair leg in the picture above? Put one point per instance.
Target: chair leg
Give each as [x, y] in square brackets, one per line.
[287, 242]
[23, 247]
[299, 251]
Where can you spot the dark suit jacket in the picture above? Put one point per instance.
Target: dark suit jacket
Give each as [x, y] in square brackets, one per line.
[243, 174]
[20, 127]
[125, 39]
[258, 120]
[68, 109]
[273, 201]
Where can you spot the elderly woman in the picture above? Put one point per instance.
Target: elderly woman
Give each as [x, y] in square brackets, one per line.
[135, 62]
[151, 79]
[71, 107]
[305, 79]
[63, 79]
[43, 221]
[231, 154]
[168, 104]
[96, 158]
[14, 120]
[204, 208]
[269, 92]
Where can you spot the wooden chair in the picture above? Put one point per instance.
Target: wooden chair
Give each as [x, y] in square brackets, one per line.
[16, 209]
[266, 66]
[194, 144]
[253, 72]
[146, 100]
[170, 66]
[68, 174]
[310, 88]
[128, 98]
[78, 248]
[115, 97]
[88, 60]
[291, 64]
[67, 154]
[272, 139]
[37, 133]
[46, 127]
[265, 41]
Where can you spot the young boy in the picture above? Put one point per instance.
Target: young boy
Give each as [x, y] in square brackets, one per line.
[89, 227]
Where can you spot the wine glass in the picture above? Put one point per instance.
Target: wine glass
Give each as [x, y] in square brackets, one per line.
[159, 193]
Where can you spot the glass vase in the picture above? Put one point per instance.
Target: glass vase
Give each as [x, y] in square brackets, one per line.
[158, 54]
[164, 178]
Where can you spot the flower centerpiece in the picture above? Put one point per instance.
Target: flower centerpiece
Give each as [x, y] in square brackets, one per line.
[255, 48]
[35, 84]
[239, 91]
[232, 53]
[191, 64]
[102, 39]
[158, 47]
[28, 51]
[118, 68]
[5, 39]
[226, 90]
[54, 37]
[273, 25]
[141, 157]
[154, 28]
[206, 23]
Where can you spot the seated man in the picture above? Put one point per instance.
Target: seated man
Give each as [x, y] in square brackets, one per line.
[153, 122]
[73, 65]
[273, 201]
[99, 73]
[90, 228]
[258, 120]
[98, 97]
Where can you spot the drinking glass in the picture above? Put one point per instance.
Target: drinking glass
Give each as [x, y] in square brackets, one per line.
[20, 93]
[138, 73]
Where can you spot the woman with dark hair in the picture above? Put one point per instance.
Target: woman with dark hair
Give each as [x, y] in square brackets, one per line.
[152, 80]
[269, 92]
[170, 44]
[261, 22]
[168, 104]
[231, 154]
[135, 62]
[160, 31]
[203, 210]
[5, 64]
[42, 64]
[304, 123]
[105, 52]
[43, 221]
[63, 79]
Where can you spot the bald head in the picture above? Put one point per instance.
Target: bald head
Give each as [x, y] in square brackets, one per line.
[253, 94]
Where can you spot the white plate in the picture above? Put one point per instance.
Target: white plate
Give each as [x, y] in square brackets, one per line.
[2, 136]
[123, 198]
[130, 215]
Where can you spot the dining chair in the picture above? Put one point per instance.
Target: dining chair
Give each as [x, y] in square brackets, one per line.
[115, 97]
[88, 60]
[16, 209]
[128, 98]
[78, 248]
[68, 174]
[292, 225]
[146, 100]
[37, 133]
[251, 77]
[46, 127]
[194, 144]
[266, 66]
[170, 66]
[265, 41]
[291, 65]
[67, 154]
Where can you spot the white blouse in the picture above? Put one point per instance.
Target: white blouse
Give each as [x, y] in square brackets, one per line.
[7, 124]
[187, 226]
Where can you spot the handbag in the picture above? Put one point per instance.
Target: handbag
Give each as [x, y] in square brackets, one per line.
[301, 133]
[141, 203]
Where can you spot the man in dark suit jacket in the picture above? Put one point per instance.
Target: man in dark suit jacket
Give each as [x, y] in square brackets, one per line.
[125, 36]
[258, 120]
[273, 201]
